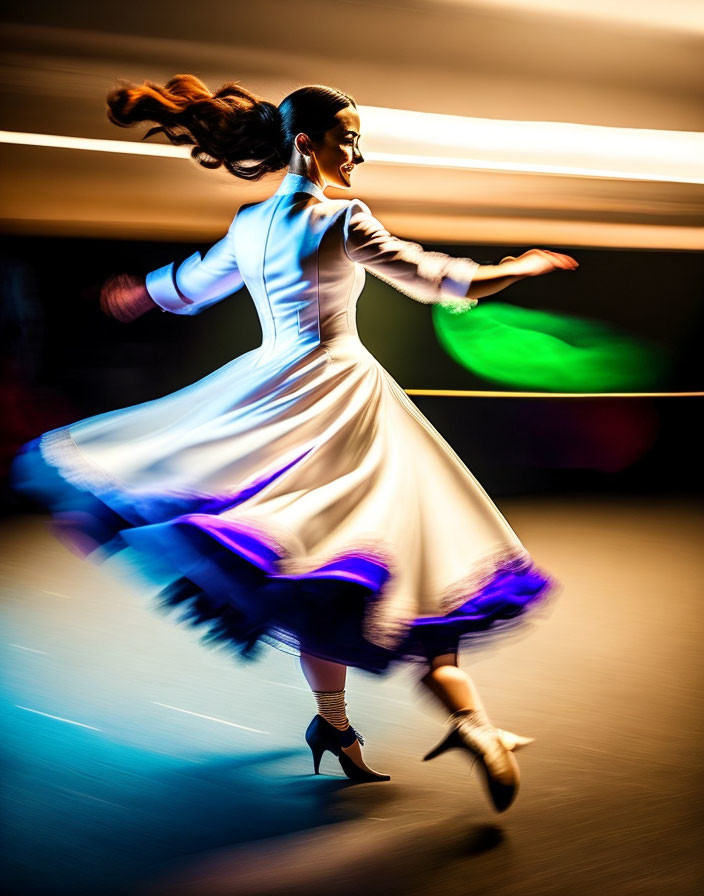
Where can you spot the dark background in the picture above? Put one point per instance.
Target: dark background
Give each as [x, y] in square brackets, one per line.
[63, 360]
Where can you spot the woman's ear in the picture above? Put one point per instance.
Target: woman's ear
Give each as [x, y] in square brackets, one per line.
[303, 144]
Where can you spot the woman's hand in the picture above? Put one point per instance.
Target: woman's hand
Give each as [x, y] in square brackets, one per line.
[535, 262]
[492, 278]
[125, 297]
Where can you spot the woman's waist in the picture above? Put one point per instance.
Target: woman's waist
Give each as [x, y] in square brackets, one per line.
[340, 340]
[294, 347]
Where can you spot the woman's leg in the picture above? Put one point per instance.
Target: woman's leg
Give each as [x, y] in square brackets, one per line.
[457, 693]
[450, 684]
[327, 681]
[323, 675]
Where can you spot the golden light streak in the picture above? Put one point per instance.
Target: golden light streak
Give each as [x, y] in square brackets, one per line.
[399, 136]
[685, 16]
[58, 141]
[404, 137]
[382, 158]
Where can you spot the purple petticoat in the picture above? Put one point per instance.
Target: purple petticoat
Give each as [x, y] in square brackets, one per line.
[225, 579]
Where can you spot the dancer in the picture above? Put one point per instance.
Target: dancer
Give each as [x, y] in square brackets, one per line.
[296, 496]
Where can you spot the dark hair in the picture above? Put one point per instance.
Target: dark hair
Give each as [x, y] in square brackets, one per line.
[232, 127]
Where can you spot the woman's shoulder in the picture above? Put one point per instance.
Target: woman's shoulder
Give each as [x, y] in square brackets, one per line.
[353, 204]
[330, 212]
[337, 209]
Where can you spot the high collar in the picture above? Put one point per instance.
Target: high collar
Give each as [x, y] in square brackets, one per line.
[299, 183]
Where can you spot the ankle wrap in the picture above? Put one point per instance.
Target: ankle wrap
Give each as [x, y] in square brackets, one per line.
[331, 706]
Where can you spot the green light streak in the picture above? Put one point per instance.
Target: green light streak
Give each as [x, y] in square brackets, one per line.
[542, 350]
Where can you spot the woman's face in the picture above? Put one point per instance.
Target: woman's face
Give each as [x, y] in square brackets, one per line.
[338, 153]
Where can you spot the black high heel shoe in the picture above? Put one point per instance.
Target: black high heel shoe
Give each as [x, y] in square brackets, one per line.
[322, 736]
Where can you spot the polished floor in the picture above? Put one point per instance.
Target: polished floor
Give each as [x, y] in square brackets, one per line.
[137, 760]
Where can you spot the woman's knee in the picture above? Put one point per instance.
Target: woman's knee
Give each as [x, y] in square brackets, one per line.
[449, 658]
[323, 674]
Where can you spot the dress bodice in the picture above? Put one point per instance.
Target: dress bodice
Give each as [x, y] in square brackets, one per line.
[290, 251]
[303, 259]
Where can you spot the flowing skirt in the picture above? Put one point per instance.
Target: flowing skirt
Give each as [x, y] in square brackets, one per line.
[301, 501]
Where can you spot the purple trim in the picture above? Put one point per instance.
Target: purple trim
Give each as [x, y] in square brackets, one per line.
[236, 537]
[353, 567]
[223, 503]
[225, 574]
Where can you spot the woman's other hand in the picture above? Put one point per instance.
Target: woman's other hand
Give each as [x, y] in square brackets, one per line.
[125, 297]
[535, 262]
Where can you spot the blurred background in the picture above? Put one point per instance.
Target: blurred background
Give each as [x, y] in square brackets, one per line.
[488, 127]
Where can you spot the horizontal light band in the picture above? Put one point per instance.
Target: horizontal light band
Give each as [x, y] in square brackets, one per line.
[404, 137]
[382, 158]
[471, 393]
[58, 141]
[400, 136]
[686, 16]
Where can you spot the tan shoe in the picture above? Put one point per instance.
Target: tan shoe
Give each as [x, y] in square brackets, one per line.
[513, 741]
[472, 731]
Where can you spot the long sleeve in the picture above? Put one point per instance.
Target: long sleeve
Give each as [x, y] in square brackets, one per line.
[197, 282]
[425, 276]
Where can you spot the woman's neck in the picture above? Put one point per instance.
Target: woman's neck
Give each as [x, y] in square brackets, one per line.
[310, 171]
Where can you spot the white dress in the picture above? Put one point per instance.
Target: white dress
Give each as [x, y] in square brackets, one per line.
[296, 495]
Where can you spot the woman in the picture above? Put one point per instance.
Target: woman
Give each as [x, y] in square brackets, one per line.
[296, 496]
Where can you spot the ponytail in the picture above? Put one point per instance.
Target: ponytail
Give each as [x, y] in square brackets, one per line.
[232, 127]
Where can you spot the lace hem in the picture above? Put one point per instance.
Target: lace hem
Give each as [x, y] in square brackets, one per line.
[503, 559]
[390, 632]
[386, 631]
[59, 450]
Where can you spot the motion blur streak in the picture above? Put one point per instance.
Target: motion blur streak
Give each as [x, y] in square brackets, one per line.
[451, 141]
[525, 347]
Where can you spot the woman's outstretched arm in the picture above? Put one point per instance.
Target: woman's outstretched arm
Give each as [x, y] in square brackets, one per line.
[197, 282]
[492, 278]
[490, 282]
[187, 287]
[435, 277]
[426, 276]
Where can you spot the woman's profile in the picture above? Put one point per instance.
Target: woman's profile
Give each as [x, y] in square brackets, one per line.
[296, 496]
